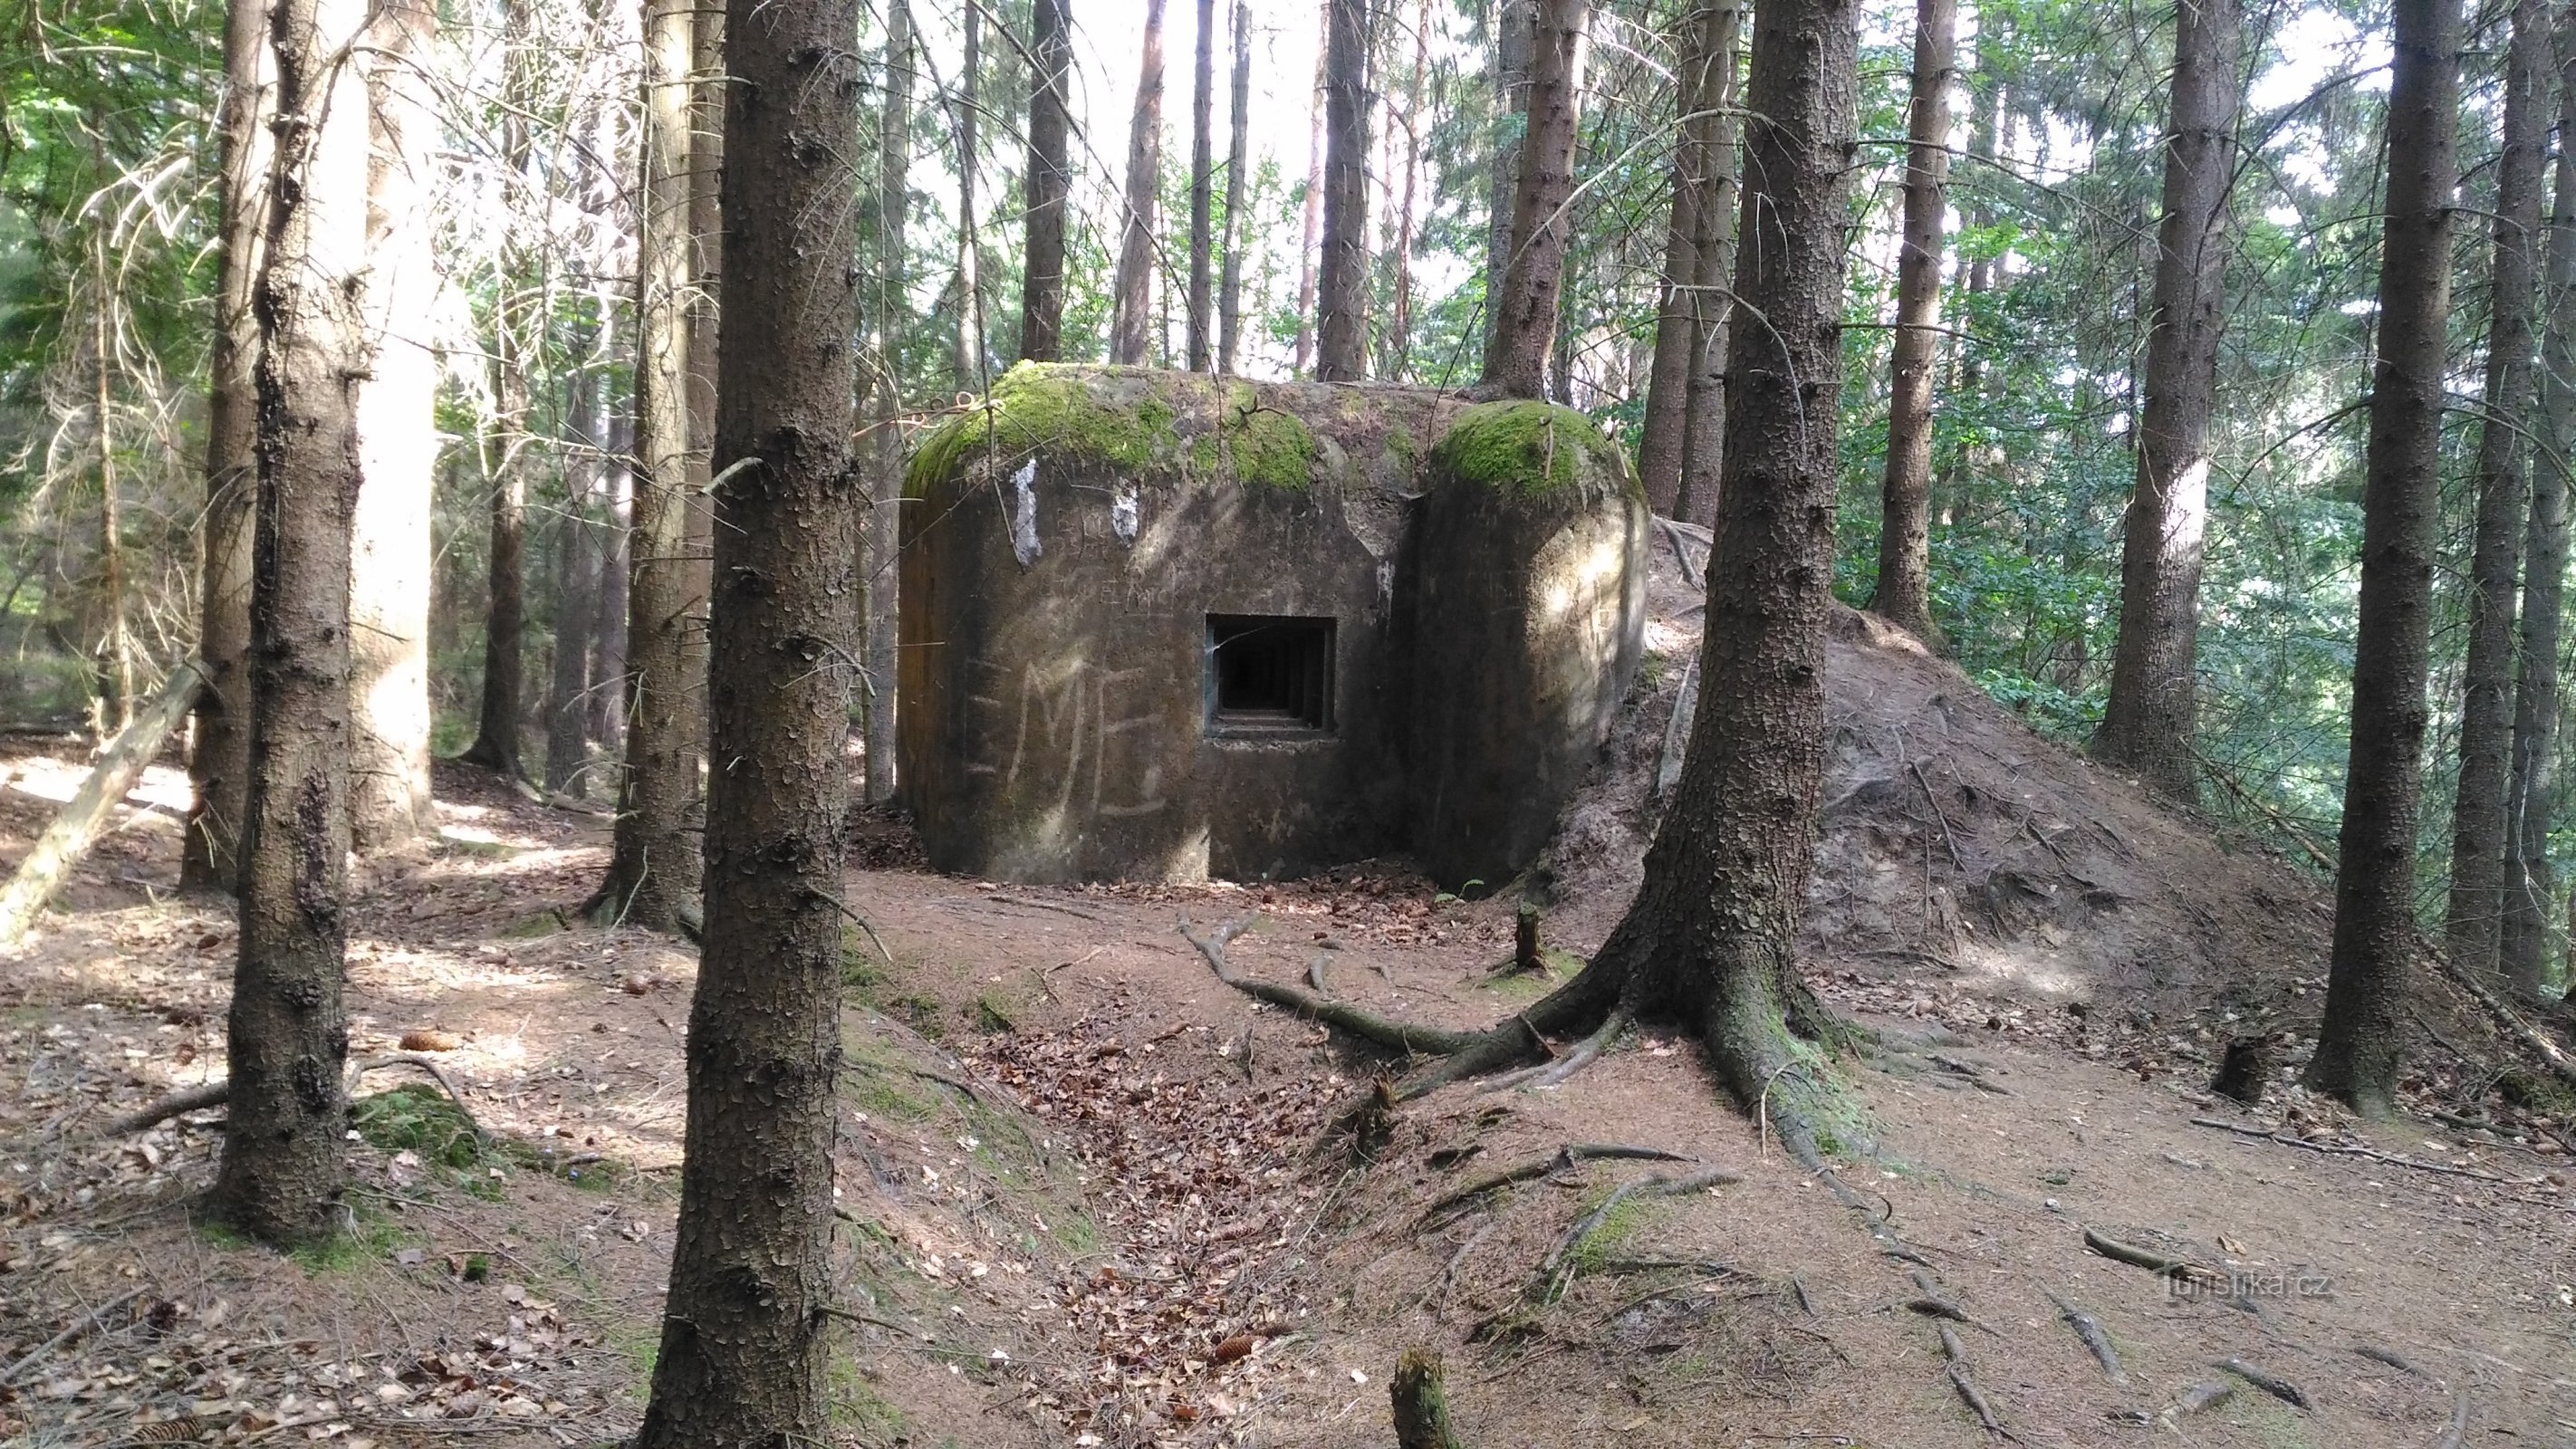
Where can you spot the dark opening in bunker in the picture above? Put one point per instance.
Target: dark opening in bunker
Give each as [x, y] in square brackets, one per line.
[1269, 674]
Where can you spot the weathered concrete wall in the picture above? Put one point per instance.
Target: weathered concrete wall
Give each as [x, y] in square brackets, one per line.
[1529, 604]
[1063, 549]
[1062, 552]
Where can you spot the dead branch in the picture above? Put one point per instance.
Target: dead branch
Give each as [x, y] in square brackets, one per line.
[2089, 1329]
[2270, 1383]
[1564, 1159]
[2523, 1031]
[1395, 1035]
[80, 1328]
[2340, 1149]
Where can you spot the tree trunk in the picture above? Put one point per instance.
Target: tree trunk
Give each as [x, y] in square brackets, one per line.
[1131, 321]
[2472, 925]
[568, 674]
[1515, 34]
[653, 867]
[1202, 350]
[69, 835]
[2149, 726]
[969, 367]
[1399, 322]
[1341, 345]
[2357, 1050]
[117, 671]
[496, 735]
[1420, 1403]
[1904, 593]
[398, 433]
[1314, 208]
[744, 1334]
[1704, 414]
[2529, 885]
[287, 1035]
[1238, 158]
[219, 761]
[1049, 178]
[878, 705]
[1534, 270]
[612, 540]
[1703, 84]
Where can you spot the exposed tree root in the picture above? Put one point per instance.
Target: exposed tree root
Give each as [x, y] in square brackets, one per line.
[1367, 1025]
[2200, 1398]
[2089, 1329]
[215, 1094]
[2391, 1358]
[2137, 1257]
[1966, 1386]
[2459, 1426]
[1563, 1261]
[2342, 1149]
[1876, 1225]
[1581, 1055]
[2270, 1383]
[1564, 1160]
[1936, 1304]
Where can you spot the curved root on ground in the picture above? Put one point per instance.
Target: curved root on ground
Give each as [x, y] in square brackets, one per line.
[216, 1094]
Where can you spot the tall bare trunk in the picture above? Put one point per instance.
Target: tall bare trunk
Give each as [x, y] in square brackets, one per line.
[1341, 346]
[1399, 322]
[878, 704]
[1704, 421]
[219, 759]
[1131, 321]
[744, 1336]
[1685, 297]
[2150, 722]
[969, 366]
[1238, 157]
[568, 674]
[1525, 319]
[116, 654]
[1314, 208]
[1202, 340]
[287, 1035]
[1515, 36]
[2533, 798]
[1904, 593]
[1049, 178]
[2473, 923]
[653, 867]
[2357, 1051]
[389, 601]
[613, 543]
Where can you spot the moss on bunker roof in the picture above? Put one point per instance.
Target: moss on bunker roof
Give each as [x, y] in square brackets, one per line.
[1050, 408]
[1528, 448]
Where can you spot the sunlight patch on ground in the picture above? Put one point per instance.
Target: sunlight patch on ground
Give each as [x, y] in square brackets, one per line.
[56, 781]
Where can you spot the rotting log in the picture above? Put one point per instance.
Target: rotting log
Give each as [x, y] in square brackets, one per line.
[85, 817]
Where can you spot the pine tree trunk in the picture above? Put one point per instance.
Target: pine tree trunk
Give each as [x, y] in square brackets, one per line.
[1131, 319]
[1310, 243]
[577, 581]
[1683, 303]
[1712, 932]
[389, 600]
[287, 1035]
[878, 704]
[1341, 327]
[505, 617]
[2356, 1058]
[613, 540]
[1515, 35]
[969, 366]
[653, 866]
[1704, 413]
[1525, 319]
[744, 1333]
[1202, 342]
[1904, 593]
[1238, 158]
[1399, 322]
[2472, 924]
[2533, 798]
[1049, 178]
[2150, 723]
[219, 761]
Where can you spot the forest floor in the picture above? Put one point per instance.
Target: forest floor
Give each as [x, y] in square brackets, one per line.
[1091, 1196]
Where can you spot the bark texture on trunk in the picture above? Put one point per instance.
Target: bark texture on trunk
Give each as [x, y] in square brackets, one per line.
[1341, 302]
[1710, 938]
[969, 367]
[1684, 301]
[505, 617]
[1131, 318]
[1903, 596]
[219, 759]
[1202, 344]
[1238, 157]
[2472, 928]
[877, 702]
[398, 436]
[2357, 1050]
[568, 673]
[287, 1034]
[653, 867]
[1049, 179]
[1310, 243]
[1525, 318]
[2149, 725]
[1515, 24]
[1399, 320]
[1704, 416]
[608, 611]
[742, 1360]
[2533, 798]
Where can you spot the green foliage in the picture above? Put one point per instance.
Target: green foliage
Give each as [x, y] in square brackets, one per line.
[418, 1117]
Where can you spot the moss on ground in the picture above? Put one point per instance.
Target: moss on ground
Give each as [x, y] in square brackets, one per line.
[1528, 449]
[1047, 406]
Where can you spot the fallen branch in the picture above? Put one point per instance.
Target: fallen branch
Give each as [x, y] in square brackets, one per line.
[2506, 1017]
[1564, 1159]
[80, 1328]
[83, 818]
[2089, 1329]
[2341, 1149]
[2270, 1383]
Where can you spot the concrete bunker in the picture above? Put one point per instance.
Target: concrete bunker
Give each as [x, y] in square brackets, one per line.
[1164, 626]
